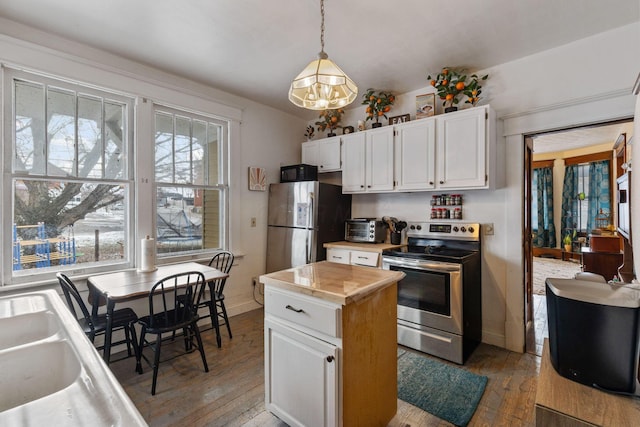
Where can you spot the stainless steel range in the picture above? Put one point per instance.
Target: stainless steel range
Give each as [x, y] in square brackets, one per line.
[439, 300]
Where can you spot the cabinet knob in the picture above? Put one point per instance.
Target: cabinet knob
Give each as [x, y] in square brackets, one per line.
[330, 359]
[441, 182]
[368, 186]
[430, 182]
[362, 186]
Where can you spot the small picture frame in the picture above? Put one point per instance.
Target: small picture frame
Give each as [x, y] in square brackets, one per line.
[399, 119]
[425, 105]
[347, 129]
[257, 179]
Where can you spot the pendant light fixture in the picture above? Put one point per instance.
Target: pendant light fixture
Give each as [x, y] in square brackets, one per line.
[322, 84]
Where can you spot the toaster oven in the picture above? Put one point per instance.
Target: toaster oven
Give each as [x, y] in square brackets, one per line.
[365, 230]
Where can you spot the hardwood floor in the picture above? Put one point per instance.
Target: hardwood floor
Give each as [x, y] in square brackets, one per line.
[232, 392]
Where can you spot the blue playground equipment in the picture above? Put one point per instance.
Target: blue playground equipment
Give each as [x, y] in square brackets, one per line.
[43, 250]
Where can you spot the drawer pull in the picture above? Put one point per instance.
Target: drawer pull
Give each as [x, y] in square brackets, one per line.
[362, 257]
[330, 359]
[336, 257]
[297, 310]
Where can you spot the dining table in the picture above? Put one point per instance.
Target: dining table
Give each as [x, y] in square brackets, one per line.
[127, 285]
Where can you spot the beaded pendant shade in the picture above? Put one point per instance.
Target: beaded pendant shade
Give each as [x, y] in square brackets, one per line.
[322, 84]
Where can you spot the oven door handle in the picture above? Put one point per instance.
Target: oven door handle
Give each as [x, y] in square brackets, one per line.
[423, 264]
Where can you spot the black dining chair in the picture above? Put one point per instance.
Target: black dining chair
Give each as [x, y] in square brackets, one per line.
[172, 307]
[96, 324]
[222, 261]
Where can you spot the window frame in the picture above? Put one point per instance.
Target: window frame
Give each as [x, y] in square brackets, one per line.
[223, 180]
[9, 76]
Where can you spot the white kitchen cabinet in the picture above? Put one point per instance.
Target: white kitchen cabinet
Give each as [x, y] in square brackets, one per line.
[368, 161]
[324, 153]
[302, 384]
[464, 141]
[415, 155]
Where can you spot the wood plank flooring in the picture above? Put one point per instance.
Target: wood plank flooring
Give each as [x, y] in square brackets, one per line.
[232, 392]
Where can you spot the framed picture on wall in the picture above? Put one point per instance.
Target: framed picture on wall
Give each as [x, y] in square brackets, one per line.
[425, 105]
[257, 179]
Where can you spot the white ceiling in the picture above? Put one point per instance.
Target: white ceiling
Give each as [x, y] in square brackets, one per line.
[253, 48]
[581, 137]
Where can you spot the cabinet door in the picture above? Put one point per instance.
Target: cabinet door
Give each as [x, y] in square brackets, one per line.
[379, 156]
[329, 158]
[353, 168]
[310, 153]
[461, 149]
[301, 386]
[415, 151]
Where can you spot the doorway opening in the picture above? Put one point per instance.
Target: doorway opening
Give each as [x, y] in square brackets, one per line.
[555, 216]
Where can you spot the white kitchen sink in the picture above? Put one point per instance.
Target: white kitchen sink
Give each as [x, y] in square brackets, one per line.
[35, 371]
[51, 373]
[27, 328]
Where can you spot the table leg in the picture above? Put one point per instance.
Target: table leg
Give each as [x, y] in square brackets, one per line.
[107, 333]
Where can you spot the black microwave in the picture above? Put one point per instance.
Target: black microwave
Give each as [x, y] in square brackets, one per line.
[300, 172]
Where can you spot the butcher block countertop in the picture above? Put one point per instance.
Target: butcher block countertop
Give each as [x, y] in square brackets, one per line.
[339, 283]
[367, 247]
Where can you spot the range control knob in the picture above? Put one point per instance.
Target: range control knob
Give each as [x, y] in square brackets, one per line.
[470, 229]
[413, 227]
[419, 227]
[463, 229]
[455, 229]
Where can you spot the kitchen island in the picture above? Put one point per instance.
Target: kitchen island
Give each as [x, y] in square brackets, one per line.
[331, 344]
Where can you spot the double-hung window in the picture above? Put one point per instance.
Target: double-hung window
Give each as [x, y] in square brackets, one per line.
[67, 180]
[191, 182]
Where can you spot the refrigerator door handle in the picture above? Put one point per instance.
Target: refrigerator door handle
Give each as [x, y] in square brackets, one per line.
[309, 219]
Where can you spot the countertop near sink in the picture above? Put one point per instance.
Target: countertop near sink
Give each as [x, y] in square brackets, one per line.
[51, 372]
[339, 283]
[367, 247]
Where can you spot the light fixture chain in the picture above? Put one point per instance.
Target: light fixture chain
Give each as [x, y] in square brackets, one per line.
[322, 26]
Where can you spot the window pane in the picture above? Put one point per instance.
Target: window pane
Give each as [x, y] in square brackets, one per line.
[199, 152]
[114, 147]
[185, 215]
[29, 153]
[89, 227]
[61, 132]
[182, 155]
[214, 137]
[164, 147]
[89, 137]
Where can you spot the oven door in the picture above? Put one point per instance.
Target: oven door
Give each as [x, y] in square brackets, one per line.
[430, 294]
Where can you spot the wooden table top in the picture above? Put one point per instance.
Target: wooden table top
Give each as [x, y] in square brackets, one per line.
[330, 281]
[132, 284]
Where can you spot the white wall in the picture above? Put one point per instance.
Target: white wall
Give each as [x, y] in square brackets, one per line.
[584, 82]
[260, 135]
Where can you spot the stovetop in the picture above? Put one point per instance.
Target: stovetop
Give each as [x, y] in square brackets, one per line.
[440, 241]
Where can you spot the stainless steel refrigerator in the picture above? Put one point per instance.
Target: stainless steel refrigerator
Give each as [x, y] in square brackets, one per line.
[302, 217]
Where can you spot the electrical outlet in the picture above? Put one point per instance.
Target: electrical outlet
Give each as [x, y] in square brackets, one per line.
[253, 222]
[488, 229]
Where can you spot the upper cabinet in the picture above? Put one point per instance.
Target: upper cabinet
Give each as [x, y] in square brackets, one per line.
[462, 143]
[415, 158]
[368, 161]
[325, 153]
[453, 151]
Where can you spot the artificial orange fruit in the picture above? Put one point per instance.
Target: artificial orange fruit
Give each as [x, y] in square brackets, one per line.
[449, 97]
[445, 71]
[380, 113]
[445, 82]
[460, 85]
[433, 82]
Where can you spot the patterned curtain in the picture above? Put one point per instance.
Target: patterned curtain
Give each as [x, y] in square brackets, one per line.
[599, 196]
[546, 235]
[569, 195]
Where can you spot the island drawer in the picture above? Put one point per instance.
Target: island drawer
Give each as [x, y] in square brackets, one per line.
[302, 310]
